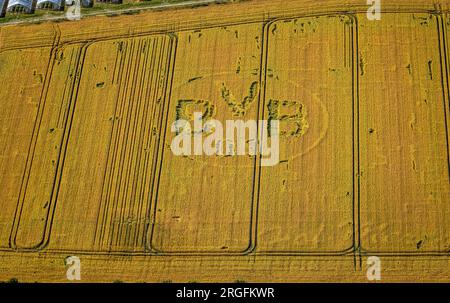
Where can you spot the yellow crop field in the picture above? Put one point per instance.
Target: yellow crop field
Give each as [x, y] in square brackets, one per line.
[88, 170]
[403, 130]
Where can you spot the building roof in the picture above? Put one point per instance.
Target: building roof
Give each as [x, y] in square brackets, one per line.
[27, 4]
[56, 4]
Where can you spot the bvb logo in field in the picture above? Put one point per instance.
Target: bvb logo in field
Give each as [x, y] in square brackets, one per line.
[200, 129]
[215, 143]
[220, 121]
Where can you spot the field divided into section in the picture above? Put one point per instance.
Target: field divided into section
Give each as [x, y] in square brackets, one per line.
[106, 119]
[86, 165]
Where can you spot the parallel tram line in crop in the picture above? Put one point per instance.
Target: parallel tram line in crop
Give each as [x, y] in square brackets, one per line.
[364, 169]
[123, 154]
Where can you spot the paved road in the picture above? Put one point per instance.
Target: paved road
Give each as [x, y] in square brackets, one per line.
[115, 11]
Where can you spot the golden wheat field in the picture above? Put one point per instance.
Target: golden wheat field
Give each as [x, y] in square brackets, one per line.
[86, 168]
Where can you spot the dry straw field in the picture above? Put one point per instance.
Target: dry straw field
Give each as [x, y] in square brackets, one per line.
[86, 167]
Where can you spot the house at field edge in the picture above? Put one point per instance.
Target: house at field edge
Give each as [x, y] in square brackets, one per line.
[55, 5]
[3, 5]
[22, 6]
